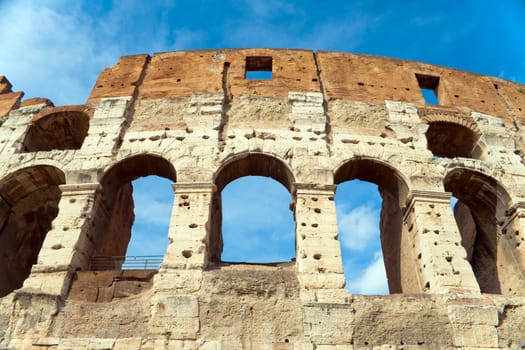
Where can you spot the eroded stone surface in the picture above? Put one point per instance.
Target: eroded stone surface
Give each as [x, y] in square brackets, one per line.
[322, 119]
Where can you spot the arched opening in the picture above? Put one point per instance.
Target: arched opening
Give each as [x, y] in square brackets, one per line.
[450, 140]
[60, 128]
[28, 205]
[481, 208]
[123, 195]
[360, 215]
[257, 224]
[358, 205]
[153, 201]
[252, 221]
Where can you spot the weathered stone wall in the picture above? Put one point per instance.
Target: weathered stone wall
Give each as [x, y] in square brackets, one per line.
[323, 118]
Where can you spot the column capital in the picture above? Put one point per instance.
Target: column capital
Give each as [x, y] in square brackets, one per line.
[425, 197]
[515, 207]
[313, 189]
[516, 210]
[194, 187]
[85, 188]
[428, 196]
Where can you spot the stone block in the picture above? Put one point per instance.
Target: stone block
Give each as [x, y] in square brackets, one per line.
[329, 324]
[73, 344]
[101, 344]
[325, 118]
[321, 281]
[182, 281]
[473, 315]
[127, 344]
[154, 343]
[475, 335]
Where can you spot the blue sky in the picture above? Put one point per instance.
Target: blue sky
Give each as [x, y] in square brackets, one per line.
[56, 49]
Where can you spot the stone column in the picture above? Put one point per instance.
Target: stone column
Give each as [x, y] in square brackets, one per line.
[319, 262]
[431, 247]
[174, 307]
[511, 252]
[67, 245]
[188, 232]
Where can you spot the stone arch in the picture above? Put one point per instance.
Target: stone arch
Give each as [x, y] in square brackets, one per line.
[244, 164]
[482, 207]
[29, 200]
[135, 166]
[394, 190]
[111, 228]
[376, 171]
[59, 128]
[433, 115]
[260, 164]
[451, 134]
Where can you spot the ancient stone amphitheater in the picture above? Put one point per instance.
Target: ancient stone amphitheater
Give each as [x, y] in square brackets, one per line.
[205, 118]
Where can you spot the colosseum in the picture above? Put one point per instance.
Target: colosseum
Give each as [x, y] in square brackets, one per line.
[199, 118]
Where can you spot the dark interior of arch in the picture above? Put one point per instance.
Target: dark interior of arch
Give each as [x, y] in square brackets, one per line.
[481, 202]
[450, 140]
[132, 168]
[249, 164]
[61, 131]
[28, 205]
[111, 230]
[393, 191]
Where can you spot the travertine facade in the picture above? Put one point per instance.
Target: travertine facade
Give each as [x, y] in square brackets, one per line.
[456, 279]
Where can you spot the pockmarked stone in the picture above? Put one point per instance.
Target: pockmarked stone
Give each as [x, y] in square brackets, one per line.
[445, 148]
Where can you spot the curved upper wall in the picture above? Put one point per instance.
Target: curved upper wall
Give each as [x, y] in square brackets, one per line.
[309, 120]
[8, 99]
[338, 75]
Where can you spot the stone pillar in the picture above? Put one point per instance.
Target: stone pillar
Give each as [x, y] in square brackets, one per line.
[409, 128]
[511, 252]
[497, 142]
[319, 262]
[106, 126]
[174, 307]
[432, 245]
[14, 128]
[67, 245]
[188, 232]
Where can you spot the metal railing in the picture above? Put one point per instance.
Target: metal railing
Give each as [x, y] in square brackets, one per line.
[149, 262]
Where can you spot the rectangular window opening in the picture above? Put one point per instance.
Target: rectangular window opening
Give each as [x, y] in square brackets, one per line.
[429, 88]
[258, 68]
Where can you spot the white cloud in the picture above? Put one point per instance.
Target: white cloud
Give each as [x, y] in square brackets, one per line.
[358, 227]
[258, 225]
[50, 53]
[153, 199]
[152, 210]
[370, 280]
[56, 49]
[255, 202]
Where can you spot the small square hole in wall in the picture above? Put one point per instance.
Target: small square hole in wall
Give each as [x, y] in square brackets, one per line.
[258, 68]
[429, 87]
